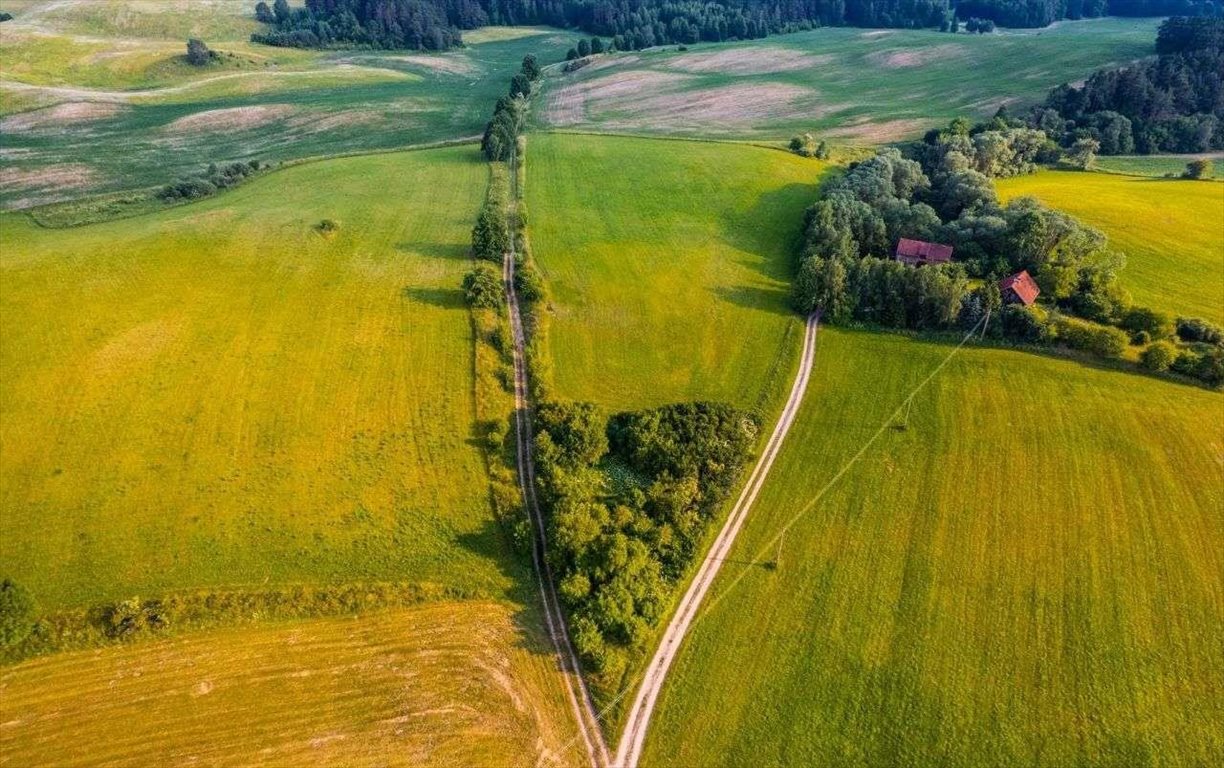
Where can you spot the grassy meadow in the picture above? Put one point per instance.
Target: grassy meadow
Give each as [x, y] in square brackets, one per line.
[451, 684]
[1170, 230]
[220, 395]
[861, 86]
[1155, 165]
[669, 266]
[91, 105]
[1028, 574]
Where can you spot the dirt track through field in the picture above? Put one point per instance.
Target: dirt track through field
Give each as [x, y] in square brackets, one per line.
[638, 722]
[576, 688]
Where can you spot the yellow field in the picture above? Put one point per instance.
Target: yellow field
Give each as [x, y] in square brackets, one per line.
[459, 684]
[1171, 230]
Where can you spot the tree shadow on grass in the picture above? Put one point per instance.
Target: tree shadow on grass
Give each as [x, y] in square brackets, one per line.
[775, 300]
[773, 229]
[445, 298]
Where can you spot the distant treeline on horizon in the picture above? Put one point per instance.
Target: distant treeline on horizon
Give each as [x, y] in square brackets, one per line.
[636, 24]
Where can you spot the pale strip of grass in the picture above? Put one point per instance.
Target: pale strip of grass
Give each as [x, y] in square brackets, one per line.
[1028, 574]
[1172, 232]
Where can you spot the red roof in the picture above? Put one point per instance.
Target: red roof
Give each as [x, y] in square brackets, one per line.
[919, 250]
[1021, 284]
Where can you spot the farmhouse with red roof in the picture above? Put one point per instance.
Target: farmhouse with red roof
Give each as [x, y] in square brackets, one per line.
[1020, 288]
[915, 253]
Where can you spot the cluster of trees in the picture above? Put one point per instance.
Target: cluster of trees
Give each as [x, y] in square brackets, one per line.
[586, 48]
[1174, 103]
[211, 181]
[431, 25]
[620, 548]
[807, 145]
[502, 131]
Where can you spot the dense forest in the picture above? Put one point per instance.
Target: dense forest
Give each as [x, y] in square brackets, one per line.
[635, 24]
[1174, 103]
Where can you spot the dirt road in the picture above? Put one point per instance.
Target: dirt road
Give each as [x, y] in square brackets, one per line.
[580, 697]
[634, 737]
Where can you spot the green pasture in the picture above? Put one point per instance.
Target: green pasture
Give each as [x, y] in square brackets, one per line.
[1172, 232]
[1024, 571]
[861, 86]
[220, 395]
[1155, 165]
[669, 265]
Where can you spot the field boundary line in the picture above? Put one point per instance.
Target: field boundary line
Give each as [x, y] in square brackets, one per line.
[580, 699]
[638, 722]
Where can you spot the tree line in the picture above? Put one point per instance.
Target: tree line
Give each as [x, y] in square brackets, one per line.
[940, 190]
[1174, 103]
[635, 24]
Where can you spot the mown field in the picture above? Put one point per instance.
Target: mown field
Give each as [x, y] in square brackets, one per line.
[101, 100]
[669, 266]
[1170, 230]
[1155, 165]
[862, 86]
[219, 395]
[453, 684]
[1029, 574]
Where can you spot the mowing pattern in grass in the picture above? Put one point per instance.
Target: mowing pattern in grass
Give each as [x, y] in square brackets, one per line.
[220, 394]
[1172, 232]
[447, 685]
[864, 86]
[1030, 574]
[669, 264]
[158, 119]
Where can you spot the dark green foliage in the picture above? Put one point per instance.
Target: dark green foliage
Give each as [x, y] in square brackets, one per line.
[584, 48]
[210, 181]
[483, 288]
[198, 54]
[531, 67]
[1098, 339]
[431, 25]
[17, 611]
[528, 283]
[1156, 324]
[1026, 324]
[1158, 357]
[597, 45]
[328, 226]
[1174, 103]
[620, 548]
[571, 54]
[5, 16]
[520, 85]
[491, 236]
[1196, 330]
[1199, 169]
[501, 133]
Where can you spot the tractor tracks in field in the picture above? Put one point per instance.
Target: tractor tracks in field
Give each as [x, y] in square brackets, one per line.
[638, 722]
[576, 688]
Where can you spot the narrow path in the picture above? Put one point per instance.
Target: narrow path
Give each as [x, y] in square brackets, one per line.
[576, 688]
[634, 737]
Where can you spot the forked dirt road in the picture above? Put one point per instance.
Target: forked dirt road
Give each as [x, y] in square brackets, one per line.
[576, 688]
[634, 737]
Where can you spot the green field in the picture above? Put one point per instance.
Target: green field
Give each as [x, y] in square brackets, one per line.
[218, 395]
[1029, 574]
[445, 685]
[862, 86]
[1170, 230]
[94, 114]
[669, 265]
[1155, 165]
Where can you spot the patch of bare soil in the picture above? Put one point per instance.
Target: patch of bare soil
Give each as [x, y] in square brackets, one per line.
[876, 34]
[915, 58]
[730, 107]
[46, 182]
[330, 121]
[569, 104]
[447, 65]
[59, 115]
[879, 133]
[233, 119]
[747, 61]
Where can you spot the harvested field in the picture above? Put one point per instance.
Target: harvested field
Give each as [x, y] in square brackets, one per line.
[916, 58]
[747, 61]
[879, 133]
[63, 177]
[727, 108]
[447, 65]
[569, 104]
[59, 115]
[233, 119]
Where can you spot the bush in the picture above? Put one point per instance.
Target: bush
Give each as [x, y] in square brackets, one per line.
[1206, 365]
[1098, 339]
[528, 283]
[1158, 325]
[483, 289]
[198, 54]
[17, 609]
[1198, 169]
[328, 226]
[1158, 357]
[1196, 329]
[1027, 324]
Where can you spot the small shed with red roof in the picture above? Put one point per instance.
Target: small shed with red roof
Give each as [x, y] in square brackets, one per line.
[1020, 288]
[915, 253]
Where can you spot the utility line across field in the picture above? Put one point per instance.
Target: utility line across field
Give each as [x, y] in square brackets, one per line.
[576, 688]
